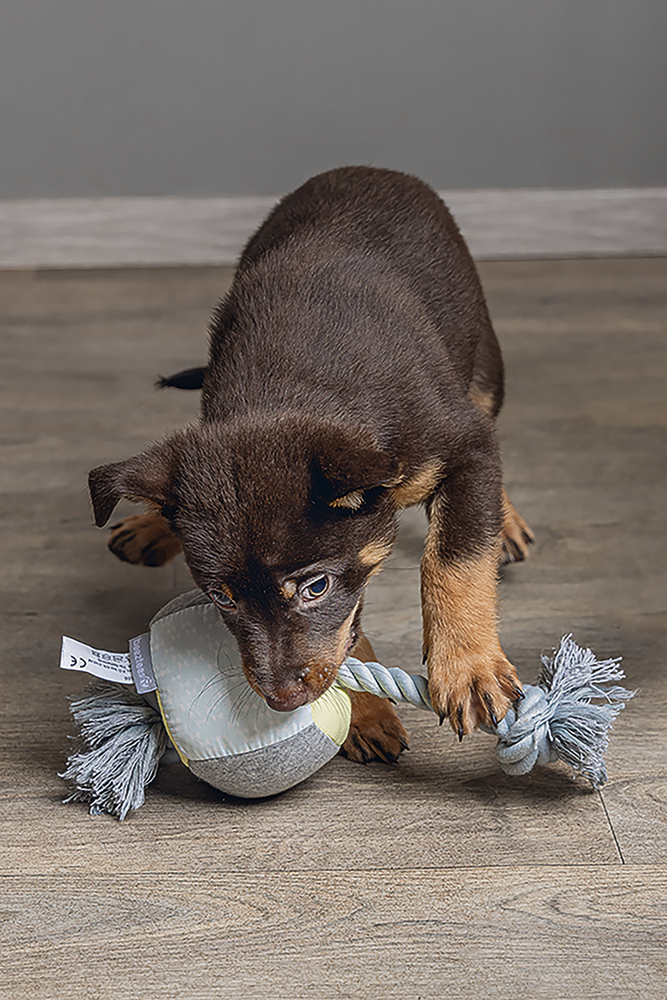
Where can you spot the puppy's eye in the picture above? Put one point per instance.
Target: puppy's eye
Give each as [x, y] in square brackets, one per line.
[316, 588]
[221, 600]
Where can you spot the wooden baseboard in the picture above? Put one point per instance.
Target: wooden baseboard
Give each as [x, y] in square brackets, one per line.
[116, 232]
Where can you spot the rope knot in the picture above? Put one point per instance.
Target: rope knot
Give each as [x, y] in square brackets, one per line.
[558, 718]
[524, 735]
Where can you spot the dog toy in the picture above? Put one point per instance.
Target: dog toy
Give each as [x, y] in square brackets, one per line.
[190, 692]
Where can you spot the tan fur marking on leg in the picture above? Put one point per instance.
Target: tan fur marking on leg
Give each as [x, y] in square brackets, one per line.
[376, 732]
[470, 679]
[463, 596]
[419, 486]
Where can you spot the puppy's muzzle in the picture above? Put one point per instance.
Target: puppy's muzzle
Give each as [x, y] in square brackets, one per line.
[288, 698]
[314, 679]
[286, 689]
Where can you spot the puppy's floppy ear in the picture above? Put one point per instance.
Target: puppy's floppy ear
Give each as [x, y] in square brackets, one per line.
[145, 477]
[350, 461]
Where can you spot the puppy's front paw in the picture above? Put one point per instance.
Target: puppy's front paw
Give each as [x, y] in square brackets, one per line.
[473, 690]
[376, 732]
[144, 539]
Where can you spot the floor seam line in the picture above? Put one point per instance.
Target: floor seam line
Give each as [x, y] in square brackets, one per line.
[611, 826]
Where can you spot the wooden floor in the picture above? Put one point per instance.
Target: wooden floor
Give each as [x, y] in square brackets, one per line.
[439, 877]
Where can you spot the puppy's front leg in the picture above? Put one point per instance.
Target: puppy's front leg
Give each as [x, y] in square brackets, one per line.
[471, 680]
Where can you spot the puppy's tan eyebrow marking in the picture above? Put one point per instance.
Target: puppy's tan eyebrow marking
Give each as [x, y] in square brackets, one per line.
[288, 589]
[352, 500]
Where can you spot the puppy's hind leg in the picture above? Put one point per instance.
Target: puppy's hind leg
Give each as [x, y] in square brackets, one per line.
[487, 389]
[516, 534]
[143, 539]
[376, 732]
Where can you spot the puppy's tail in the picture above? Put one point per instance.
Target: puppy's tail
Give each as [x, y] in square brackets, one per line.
[190, 378]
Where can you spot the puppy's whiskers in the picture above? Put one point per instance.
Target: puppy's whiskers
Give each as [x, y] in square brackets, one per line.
[244, 704]
[210, 683]
[227, 695]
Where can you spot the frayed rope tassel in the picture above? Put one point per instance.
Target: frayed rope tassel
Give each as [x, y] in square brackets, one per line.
[122, 741]
[557, 719]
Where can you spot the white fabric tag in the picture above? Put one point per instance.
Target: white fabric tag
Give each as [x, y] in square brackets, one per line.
[75, 655]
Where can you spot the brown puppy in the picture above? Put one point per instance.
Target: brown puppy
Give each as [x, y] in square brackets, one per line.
[353, 371]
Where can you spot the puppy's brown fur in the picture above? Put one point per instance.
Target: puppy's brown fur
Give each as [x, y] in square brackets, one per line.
[353, 371]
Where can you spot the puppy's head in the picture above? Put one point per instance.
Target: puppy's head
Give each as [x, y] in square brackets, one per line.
[282, 523]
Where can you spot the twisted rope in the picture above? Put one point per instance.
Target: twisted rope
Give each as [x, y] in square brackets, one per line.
[555, 720]
[387, 682]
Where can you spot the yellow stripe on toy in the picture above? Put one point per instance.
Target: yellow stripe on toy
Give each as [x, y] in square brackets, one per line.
[332, 713]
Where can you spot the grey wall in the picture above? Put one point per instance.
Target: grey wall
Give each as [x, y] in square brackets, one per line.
[142, 97]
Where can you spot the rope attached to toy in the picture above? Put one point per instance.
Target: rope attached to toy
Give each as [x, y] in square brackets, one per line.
[387, 682]
[555, 720]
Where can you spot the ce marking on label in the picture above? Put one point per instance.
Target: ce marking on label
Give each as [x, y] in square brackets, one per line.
[75, 665]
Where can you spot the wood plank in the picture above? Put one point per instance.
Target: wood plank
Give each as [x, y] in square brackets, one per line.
[636, 797]
[443, 805]
[121, 232]
[587, 362]
[530, 933]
